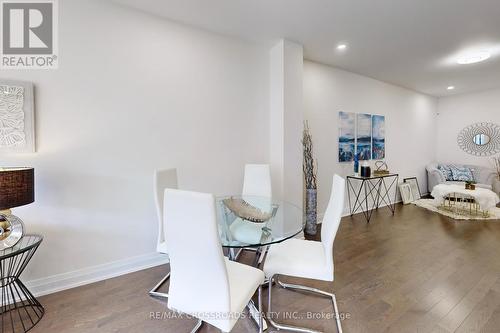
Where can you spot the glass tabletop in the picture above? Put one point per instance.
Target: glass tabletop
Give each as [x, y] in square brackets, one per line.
[24, 244]
[373, 176]
[273, 221]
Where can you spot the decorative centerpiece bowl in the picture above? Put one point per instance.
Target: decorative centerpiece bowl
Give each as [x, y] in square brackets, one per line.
[246, 211]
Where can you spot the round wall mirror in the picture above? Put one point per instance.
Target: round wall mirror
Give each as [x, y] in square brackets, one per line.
[481, 139]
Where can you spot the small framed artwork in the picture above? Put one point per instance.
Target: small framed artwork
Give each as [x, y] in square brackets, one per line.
[415, 189]
[17, 118]
[406, 194]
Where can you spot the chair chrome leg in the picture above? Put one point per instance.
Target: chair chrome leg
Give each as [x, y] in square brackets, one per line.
[263, 254]
[337, 313]
[305, 288]
[261, 315]
[153, 292]
[197, 327]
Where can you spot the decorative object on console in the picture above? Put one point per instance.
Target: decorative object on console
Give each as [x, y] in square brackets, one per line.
[382, 168]
[364, 136]
[356, 165]
[415, 189]
[16, 189]
[365, 170]
[480, 139]
[16, 117]
[347, 132]
[378, 137]
[310, 169]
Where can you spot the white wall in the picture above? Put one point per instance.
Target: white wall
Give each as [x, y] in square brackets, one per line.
[410, 122]
[286, 118]
[458, 112]
[134, 93]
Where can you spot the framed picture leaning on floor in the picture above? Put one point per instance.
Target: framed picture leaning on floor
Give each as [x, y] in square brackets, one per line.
[415, 189]
[406, 195]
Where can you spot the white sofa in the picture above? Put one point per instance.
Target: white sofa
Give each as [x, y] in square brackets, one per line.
[482, 176]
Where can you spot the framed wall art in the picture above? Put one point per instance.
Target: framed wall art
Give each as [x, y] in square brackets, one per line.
[17, 118]
[378, 137]
[346, 136]
[364, 136]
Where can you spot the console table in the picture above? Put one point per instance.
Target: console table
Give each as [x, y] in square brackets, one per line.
[377, 188]
[20, 310]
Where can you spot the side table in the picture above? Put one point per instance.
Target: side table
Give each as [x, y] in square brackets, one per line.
[20, 310]
[376, 188]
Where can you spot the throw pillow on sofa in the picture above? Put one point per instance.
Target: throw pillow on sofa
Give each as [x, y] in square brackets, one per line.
[462, 174]
[446, 171]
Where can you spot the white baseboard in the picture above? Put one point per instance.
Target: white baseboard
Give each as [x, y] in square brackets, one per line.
[93, 274]
[347, 213]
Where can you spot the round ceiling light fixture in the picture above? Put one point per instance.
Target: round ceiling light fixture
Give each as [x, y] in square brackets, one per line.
[473, 57]
[451, 88]
[341, 47]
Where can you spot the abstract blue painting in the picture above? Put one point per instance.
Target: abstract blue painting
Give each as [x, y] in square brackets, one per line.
[346, 136]
[364, 136]
[378, 137]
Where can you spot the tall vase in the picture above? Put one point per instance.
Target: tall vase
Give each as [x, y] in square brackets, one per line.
[311, 211]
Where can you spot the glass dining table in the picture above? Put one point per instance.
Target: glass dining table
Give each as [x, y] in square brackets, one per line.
[254, 223]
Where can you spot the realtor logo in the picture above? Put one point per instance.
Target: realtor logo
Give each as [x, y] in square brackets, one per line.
[29, 34]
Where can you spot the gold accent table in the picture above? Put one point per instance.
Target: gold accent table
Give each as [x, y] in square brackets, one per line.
[458, 200]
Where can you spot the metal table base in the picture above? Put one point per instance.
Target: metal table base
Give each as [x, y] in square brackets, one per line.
[376, 188]
[20, 310]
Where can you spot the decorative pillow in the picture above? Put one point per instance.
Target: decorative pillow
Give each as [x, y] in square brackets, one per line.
[461, 173]
[446, 171]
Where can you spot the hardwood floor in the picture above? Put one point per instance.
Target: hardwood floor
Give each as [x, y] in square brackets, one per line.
[416, 271]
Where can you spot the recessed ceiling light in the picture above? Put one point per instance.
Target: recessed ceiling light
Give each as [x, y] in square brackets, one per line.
[473, 57]
[341, 47]
[451, 88]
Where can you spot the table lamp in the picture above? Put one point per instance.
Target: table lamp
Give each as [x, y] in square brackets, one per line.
[16, 189]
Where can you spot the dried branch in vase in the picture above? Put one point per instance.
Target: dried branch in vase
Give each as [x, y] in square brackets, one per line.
[309, 166]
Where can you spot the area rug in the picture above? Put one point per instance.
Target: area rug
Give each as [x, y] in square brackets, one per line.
[430, 204]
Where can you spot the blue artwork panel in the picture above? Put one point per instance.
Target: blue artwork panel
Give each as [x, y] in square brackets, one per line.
[364, 136]
[346, 136]
[378, 137]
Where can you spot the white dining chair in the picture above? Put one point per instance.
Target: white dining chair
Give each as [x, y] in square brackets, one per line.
[308, 259]
[203, 283]
[164, 178]
[257, 180]
[256, 191]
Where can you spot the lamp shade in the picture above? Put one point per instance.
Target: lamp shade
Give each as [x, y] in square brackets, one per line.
[17, 187]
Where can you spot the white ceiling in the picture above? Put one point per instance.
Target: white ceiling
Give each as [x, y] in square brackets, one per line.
[410, 43]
